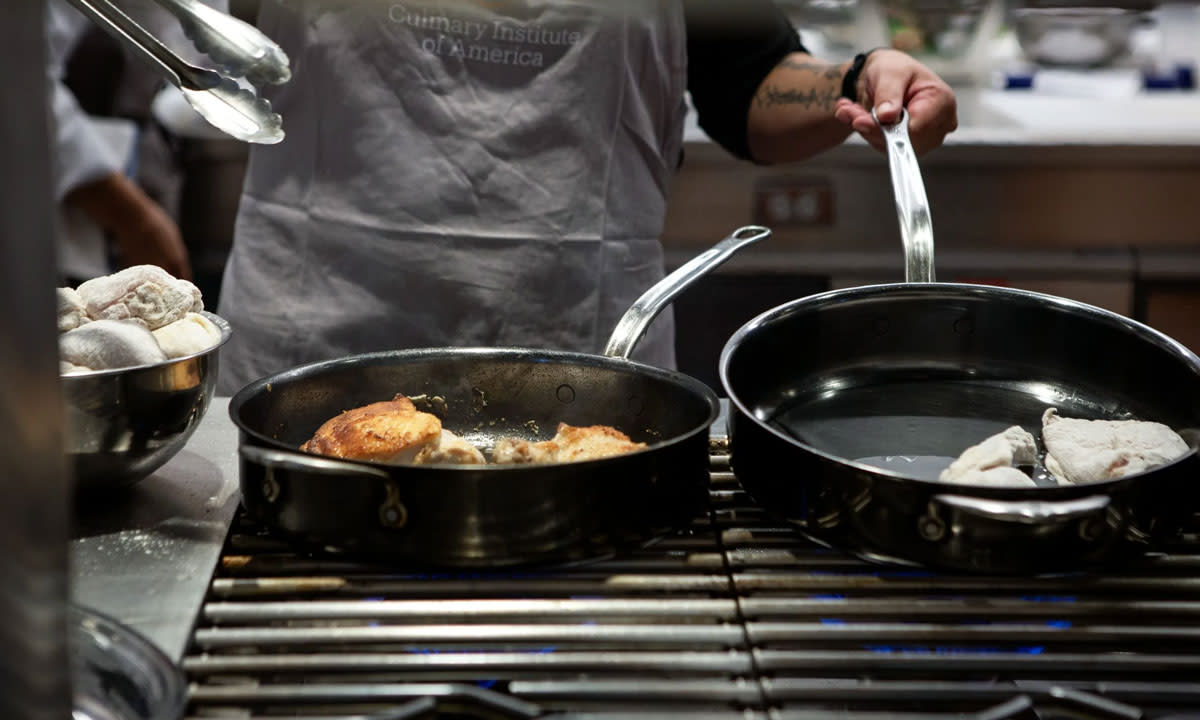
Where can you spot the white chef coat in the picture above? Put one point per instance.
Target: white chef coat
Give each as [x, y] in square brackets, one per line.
[88, 148]
[85, 149]
[490, 173]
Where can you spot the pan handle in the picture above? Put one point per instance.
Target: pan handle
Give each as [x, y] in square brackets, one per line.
[912, 206]
[633, 324]
[1028, 512]
[272, 459]
[392, 513]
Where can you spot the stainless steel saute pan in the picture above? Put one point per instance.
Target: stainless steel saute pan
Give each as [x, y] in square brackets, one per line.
[846, 405]
[482, 516]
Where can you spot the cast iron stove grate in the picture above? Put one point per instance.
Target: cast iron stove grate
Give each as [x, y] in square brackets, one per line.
[733, 617]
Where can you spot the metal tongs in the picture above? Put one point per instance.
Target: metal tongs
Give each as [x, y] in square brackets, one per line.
[238, 47]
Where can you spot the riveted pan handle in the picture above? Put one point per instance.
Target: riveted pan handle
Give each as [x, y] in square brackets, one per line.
[633, 324]
[1026, 518]
[912, 206]
[1028, 512]
[284, 460]
[392, 512]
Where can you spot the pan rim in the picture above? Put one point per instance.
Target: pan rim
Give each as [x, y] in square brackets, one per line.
[970, 289]
[532, 355]
[780, 312]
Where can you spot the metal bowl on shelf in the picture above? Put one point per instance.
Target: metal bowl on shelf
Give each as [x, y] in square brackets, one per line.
[951, 37]
[124, 424]
[1077, 37]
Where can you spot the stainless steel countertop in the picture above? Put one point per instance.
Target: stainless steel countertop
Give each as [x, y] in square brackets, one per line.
[146, 556]
[1005, 119]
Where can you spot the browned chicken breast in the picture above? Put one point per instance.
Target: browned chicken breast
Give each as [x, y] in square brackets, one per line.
[392, 431]
[570, 444]
[396, 432]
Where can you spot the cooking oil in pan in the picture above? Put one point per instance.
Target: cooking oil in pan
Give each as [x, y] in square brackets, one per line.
[918, 427]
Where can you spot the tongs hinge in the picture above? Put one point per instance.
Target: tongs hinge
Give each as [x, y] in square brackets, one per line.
[221, 100]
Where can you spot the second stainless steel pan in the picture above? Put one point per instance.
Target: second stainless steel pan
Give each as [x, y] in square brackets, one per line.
[846, 405]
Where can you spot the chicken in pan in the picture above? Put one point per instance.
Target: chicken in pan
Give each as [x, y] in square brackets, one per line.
[570, 444]
[391, 432]
[1076, 451]
[1085, 451]
[994, 461]
[397, 432]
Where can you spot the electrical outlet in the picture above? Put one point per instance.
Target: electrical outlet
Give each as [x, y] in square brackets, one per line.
[780, 201]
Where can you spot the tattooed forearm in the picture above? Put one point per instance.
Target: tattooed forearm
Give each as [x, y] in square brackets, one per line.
[825, 70]
[817, 89]
[771, 95]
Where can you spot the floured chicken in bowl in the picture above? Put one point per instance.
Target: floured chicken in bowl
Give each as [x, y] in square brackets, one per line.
[138, 360]
[139, 316]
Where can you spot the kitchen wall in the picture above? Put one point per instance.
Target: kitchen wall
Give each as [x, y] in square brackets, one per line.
[1085, 185]
[1114, 226]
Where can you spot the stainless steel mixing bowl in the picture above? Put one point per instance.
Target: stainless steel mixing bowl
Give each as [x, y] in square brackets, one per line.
[124, 424]
[1079, 37]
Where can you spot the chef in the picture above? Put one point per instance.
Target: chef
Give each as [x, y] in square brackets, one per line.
[98, 200]
[496, 172]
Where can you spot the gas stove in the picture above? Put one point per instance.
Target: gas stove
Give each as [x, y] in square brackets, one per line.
[735, 616]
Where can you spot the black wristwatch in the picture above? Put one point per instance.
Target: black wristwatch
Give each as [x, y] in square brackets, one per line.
[850, 79]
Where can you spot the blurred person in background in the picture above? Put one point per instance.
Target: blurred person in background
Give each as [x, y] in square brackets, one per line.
[496, 172]
[114, 180]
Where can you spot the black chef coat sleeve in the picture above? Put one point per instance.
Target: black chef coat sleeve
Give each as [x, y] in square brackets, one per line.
[732, 45]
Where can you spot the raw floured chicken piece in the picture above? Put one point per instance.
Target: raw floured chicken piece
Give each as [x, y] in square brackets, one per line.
[450, 449]
[71, 311]
[142, 294]
[1083, 451]
[991, 461]
[191, 334]
[570, 444]
[995, 477]
[108, 344]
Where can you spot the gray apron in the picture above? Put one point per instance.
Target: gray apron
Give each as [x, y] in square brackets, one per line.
[492, 174]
